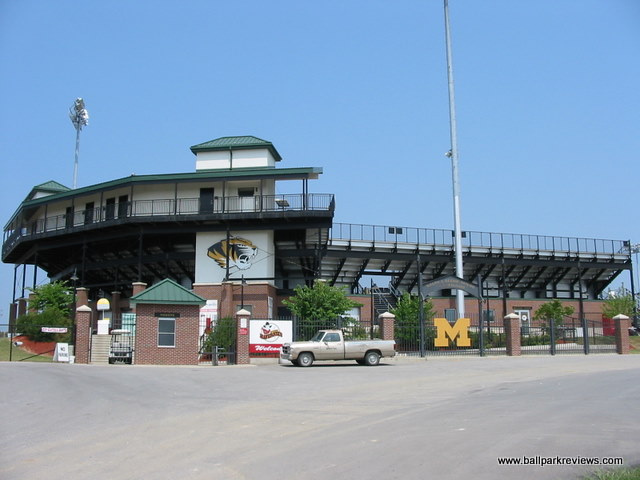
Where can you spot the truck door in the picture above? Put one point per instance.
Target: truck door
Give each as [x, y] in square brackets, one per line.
[332, 347]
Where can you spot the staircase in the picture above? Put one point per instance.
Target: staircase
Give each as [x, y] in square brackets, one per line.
[383, 300]
[100, 345]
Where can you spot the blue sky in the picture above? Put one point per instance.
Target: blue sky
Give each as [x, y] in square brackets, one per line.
[547, 100]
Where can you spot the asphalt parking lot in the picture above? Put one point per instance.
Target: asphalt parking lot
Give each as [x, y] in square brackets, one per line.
[405, 419]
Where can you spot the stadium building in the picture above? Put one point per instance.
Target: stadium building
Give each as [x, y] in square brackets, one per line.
[225, 232]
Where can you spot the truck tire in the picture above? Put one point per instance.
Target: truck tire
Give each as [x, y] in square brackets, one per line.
[305, 359]
[372, 359]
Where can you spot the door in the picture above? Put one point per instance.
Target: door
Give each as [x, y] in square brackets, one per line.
[123, 206]
[88, 213]
[206, 200]
[110, 209]
[331, 347]
[525, 320]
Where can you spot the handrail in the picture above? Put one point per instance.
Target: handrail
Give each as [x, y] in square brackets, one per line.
[171, 207]
[493, 242]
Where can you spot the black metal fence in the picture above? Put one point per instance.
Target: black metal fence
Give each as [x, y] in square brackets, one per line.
[571, 335]
[18, 347]
[480, 338]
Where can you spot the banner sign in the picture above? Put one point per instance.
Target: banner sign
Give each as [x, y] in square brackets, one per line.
[54, 329]
[267, 336]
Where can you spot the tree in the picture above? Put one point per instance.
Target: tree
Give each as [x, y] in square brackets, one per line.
[407, 312]
[50, 306]
[553, 310]
[321, 302]
[55, 295]
[319, 306]
[616, 305]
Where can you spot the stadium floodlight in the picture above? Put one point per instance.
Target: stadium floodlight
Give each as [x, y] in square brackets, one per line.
[79, 117]
[453, 155]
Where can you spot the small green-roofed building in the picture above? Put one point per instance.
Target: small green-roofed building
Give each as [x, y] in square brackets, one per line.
[167, 292]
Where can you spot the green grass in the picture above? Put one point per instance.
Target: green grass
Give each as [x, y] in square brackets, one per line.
[17, 354]
[635, 344]
[618, 474]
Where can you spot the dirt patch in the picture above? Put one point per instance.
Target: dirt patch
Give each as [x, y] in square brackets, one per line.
[36, 348]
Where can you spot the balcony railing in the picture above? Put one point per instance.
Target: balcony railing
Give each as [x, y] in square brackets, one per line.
[491, 242]
[171, 208]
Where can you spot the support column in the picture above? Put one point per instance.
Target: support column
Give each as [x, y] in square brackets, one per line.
[83, 334]
[386, 321]
[242, 337]
[622, 323]
[512, 334]
[227, 305]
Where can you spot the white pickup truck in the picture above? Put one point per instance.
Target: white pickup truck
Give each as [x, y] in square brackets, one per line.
[330, 345]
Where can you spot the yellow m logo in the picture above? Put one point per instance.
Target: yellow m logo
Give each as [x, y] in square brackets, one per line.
[458, 333]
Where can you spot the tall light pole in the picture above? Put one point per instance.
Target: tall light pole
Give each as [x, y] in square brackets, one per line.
[79, 117]
[453, 154]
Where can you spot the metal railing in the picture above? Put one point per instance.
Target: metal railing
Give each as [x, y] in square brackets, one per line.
[494, 242]
[170, 208]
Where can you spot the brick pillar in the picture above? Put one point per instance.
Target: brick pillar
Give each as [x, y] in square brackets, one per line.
[138, 287]
[512, 333]
[22, 307]
[242, 337]
[32, 308]
[386, 322]
[82, 296]
[622, 324]
[83, 334]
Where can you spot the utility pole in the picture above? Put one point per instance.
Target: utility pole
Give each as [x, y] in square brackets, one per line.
[453, 154]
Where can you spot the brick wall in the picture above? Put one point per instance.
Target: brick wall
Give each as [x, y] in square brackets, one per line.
[230, 297]
[187, 342]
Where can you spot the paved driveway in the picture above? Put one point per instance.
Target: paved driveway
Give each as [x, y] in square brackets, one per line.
[406, 419]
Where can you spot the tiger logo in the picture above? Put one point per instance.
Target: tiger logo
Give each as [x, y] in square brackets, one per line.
[239, 251]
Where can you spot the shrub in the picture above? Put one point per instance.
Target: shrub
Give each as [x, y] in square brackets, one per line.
[31, 325]
[223, 336]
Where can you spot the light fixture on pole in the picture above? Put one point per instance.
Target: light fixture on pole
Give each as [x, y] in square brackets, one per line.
[453, 154]
[79, 117]
[243, 283]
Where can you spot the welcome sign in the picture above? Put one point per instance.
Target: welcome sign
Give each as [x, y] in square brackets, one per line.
[268, 336]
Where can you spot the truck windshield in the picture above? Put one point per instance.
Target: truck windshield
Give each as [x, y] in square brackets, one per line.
[317, 337]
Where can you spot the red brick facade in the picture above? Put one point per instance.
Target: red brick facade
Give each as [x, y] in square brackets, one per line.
[185, 350]
[231, 296]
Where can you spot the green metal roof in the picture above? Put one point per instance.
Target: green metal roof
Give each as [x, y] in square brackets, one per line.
[236, 143]
[228, 175]
[50, 187]
[200, 175]
[168, 292]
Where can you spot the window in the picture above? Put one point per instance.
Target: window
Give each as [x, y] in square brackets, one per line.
[166, 332]
[450, 314]
[248, 308]
[332, 337]
[246, 192]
